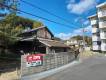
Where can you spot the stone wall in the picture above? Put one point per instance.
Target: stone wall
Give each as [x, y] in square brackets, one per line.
[50, 61]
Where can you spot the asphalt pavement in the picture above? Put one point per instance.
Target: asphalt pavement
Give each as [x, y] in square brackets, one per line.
[93, 68]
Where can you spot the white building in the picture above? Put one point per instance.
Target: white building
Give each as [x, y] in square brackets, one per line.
[98, 22]
[75, 42]
[96, 46]
[101, 11]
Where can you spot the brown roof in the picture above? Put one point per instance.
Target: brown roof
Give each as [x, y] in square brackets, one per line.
[34, 30]
[52, 43]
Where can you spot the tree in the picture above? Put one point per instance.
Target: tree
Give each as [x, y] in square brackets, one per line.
[10, 3]
[37, 24]
[12, 25]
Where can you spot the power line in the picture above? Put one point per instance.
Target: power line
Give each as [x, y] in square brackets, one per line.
[37, 16]
[44, 10]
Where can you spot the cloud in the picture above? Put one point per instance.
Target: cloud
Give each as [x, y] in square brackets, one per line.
[88, 28]
[66, 36]
[81, 6]
[72, 1]
[79, 19]
[86, 22]
[63, 36]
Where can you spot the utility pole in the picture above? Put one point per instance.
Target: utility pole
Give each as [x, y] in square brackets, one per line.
[83, 38]
[83, 31]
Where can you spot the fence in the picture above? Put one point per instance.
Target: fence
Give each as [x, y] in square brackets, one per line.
[50, 61]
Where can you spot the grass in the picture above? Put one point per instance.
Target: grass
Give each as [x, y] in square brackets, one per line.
[9, 67]
[85, 54]
[9, 75]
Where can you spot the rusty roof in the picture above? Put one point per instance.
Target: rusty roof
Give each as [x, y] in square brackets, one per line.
[33, 30]
[52, 43]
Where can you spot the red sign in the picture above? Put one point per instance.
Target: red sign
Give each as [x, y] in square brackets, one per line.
[34, 60]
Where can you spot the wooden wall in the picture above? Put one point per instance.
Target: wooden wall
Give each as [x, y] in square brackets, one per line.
[43, 33]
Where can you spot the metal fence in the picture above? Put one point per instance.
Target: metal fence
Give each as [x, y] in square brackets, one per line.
[50, 61]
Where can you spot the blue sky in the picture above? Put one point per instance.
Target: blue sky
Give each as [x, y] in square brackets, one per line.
[71, 10]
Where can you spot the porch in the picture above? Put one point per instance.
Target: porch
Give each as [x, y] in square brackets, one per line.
[44, 46]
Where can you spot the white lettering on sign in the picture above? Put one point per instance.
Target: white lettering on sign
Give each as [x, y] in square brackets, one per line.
[34, 60]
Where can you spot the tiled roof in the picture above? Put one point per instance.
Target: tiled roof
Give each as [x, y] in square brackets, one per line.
[52, 43]
[33, 30]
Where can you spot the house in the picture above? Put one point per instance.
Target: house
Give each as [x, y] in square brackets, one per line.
[40, 40]
[98, 23]
[74, 42]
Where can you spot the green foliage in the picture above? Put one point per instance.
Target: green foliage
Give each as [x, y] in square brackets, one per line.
[37, 24]
[10, 3]
[77, 37]
[15, 21]
[12, 25]
[6, 40]
[15, 24]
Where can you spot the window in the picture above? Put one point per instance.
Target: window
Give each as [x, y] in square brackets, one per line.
[104, 41]
[94, 43]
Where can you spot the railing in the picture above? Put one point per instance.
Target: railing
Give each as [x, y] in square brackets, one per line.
[103, 35]
[103, 47]
[96, 47]
[93, 22]
[102, 13]
[102, 24]
[95, 38]
[95, 30]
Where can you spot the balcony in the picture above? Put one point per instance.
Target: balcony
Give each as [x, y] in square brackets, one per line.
[103, 35]
[95, 30]
[95, 38]
[93, 22]
[102, 24]
[103, 47]
[96, 47]
[102, 13]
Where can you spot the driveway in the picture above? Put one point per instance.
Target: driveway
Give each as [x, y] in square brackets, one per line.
[93, 68]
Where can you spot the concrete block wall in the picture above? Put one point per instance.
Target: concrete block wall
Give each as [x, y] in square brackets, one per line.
[50, 61]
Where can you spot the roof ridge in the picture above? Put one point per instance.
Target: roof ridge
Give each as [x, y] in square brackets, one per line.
[49, 39]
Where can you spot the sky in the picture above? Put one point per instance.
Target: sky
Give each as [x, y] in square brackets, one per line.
[74, 11]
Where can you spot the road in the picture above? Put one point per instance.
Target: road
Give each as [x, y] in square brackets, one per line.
[93, 68]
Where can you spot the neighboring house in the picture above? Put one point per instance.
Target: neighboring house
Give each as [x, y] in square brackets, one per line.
[72, 42]
[40, 40]
[76, 43]
[98, 22]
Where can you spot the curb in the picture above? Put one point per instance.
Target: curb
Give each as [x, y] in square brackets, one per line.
[50, 72]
